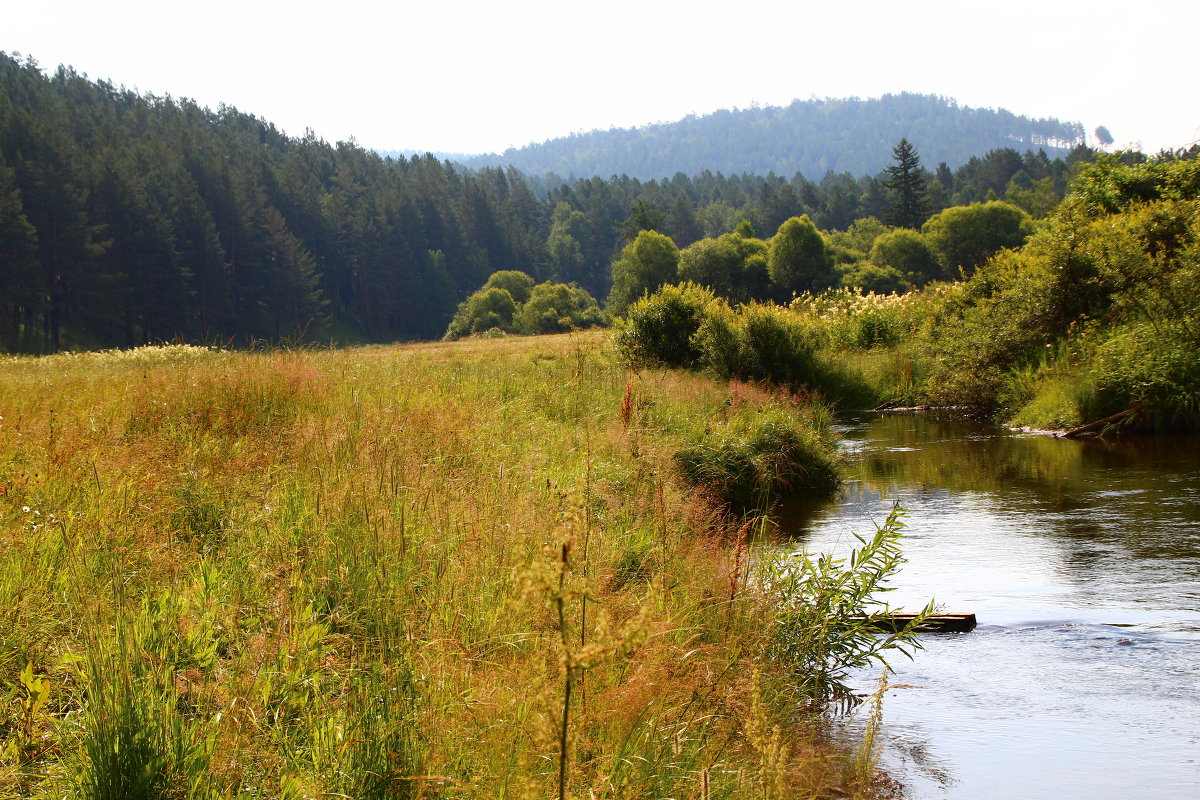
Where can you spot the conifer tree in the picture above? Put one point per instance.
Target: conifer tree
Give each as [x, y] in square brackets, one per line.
[911, 206]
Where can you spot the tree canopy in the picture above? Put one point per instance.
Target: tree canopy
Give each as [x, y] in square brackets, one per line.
[646, 263]
[964, 237]
[799, 258]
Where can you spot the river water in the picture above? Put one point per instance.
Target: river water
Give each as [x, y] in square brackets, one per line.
[1081, 560]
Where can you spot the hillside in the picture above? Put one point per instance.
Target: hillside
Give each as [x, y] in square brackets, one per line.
[811, 137]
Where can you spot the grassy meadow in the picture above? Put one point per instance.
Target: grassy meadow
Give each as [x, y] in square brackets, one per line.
[440, 570]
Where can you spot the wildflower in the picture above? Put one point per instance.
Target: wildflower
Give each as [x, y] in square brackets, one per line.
[25, 509]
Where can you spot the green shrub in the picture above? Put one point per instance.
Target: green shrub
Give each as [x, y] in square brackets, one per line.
[1156, 365]
[659, 328]
[481, 312]
[826, 616]
[750, 466]
[558, 308]
[965, 237]
[518, 284]
[874, 278]
[719, 341]
[775, 346]
[757, 342]
[909, 256]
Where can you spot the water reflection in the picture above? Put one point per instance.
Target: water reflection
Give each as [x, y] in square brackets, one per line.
[1081, 560]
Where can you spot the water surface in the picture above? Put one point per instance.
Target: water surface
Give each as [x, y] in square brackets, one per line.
[1081, 561]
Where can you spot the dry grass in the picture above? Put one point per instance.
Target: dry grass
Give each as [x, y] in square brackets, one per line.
[366, 573]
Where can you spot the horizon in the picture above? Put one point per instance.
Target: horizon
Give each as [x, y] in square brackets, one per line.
[468, 78]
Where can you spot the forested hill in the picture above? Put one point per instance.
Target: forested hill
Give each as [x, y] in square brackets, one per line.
[810, 137]
[128, 218]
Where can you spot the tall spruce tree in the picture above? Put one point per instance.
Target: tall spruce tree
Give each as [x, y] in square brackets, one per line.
[910, 207]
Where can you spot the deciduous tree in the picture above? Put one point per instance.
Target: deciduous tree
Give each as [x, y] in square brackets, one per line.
[799, 259]
[646, 263]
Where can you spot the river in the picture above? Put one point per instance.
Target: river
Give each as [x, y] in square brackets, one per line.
[1081, 560]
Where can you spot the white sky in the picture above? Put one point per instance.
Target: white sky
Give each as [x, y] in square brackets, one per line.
[469, 76]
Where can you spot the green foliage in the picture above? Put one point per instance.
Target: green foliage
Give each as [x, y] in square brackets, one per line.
[660, 327]
[758, 342]
[908, 253]
[869, 277]
[485, 310]
[719, 342]
[643, 217]
[558, 308]
[852, 320]
[569, 237]
[732, 265]
[648, 262]
[799, 258]
[1153, 364]
[518, 284]
[826, 613]
[1108, 185]
[1036, 198]
[750, 465]
[1111, 295]
[545, 308]
[964, 237]
[775, 345]
[1050, 403]
[854, 243]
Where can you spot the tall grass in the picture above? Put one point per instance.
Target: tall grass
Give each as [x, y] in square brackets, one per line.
[445, 570]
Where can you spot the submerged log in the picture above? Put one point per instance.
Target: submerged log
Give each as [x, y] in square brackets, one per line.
[1093, 427]
[952, 622]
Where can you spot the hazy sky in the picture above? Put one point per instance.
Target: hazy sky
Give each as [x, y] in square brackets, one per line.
[466, 76]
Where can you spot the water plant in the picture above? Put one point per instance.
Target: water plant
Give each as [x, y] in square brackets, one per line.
[826, 615]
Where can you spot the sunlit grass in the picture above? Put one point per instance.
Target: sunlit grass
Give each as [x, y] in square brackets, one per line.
[372, 573]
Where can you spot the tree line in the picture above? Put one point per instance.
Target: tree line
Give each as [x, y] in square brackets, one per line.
[129, 218]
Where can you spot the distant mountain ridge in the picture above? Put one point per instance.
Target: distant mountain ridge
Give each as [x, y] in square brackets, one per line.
[810, 137]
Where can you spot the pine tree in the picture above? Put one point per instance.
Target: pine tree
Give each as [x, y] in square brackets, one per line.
[911, 206]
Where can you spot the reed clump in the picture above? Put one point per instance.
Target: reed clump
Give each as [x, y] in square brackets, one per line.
[445, 570]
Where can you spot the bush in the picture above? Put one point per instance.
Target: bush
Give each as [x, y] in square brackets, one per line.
[484, 310]
[873, 278]
[1150, 364]
[659, 328]
[964, 237]
[758, 342]
[775, 346]
[906, 252]
[518, 284]
[825, 615]
[733, 266]
[719, 341]
[646, 263]
[751, 466]
[558, 308]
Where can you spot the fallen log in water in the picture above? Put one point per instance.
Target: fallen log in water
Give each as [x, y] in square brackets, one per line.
[1098, 425]
[954, 622]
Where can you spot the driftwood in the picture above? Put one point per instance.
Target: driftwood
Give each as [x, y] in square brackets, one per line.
[1093, 427]
[950, 622]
